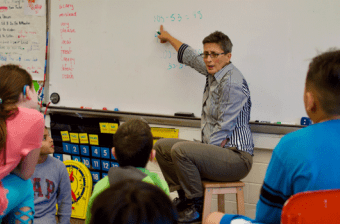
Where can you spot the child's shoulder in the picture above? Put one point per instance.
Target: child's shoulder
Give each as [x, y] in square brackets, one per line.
[100, 186]
[28, 116]
[29, 112]
[55, 162]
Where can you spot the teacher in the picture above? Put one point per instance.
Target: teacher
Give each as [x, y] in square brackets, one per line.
[226, 148]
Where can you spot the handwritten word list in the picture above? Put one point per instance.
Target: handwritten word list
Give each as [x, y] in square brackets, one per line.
[67, 31]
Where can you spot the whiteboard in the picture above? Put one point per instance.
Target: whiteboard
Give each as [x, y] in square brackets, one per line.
[23, 37]
[105, 53]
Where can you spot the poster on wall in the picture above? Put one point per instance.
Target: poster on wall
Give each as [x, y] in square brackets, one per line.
[23, 37]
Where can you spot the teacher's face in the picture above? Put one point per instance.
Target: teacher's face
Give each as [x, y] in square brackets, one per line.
[212, 64]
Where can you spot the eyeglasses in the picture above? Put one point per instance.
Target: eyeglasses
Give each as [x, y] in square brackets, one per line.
[212, 55]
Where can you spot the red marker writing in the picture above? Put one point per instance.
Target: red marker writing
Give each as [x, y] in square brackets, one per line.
[3, 8]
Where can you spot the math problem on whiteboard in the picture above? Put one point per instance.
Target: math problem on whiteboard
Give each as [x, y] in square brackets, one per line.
[176, 17]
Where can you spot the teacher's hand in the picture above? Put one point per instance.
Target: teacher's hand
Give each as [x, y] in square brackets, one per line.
[164, 36]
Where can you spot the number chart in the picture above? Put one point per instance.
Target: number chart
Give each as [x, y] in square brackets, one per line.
[86, 140]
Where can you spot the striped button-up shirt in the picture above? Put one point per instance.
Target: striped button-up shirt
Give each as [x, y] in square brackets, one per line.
[226, 104]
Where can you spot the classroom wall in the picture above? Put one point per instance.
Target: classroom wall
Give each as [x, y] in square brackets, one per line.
[264, 144]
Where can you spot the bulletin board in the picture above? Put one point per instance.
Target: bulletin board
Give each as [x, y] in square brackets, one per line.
[23, 35]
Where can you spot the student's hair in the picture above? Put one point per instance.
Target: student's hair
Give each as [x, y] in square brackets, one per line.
[324, 77]
[221, 39]
[133, 143]
[132, 201]
[12, 82]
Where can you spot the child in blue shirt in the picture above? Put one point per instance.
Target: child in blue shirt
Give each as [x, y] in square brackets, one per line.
[307, 159]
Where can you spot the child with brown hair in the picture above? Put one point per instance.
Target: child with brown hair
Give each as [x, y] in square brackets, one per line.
[21, 134]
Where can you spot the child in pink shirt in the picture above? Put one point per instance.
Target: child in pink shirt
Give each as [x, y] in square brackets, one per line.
[21, 134]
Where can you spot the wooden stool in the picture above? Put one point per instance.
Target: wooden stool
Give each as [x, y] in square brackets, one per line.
[221, 188]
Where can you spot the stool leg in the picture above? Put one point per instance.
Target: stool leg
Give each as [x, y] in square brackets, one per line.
[207, 203]
[220, 203]
[240, 201]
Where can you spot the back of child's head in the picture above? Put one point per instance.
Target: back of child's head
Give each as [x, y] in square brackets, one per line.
[133, 143]
[324, 77]
[12, 82]
[133, 201]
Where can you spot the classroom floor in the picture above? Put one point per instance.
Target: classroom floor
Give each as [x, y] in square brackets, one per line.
[74, 221]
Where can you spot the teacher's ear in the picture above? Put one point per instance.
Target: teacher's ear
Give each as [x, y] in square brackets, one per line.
[228, 56]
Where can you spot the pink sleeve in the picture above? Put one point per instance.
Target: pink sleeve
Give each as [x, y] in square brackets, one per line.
[35, 135]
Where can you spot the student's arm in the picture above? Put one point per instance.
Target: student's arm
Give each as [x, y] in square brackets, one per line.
[275, 189]
[64, 199]
[221, 218]
[213, 218]
[166, 37]
[26, 167]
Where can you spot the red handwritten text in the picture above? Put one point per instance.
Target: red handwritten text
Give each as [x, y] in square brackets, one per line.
[67, 14]
[65, 68]
[69, 51]
[3, 8]
[68, 76]
[66, 41]
[65, 24]
[64, 30]
[26, 32]
[66, 6]
[71, 60]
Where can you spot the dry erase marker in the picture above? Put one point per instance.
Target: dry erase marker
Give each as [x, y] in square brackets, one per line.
[159, 33]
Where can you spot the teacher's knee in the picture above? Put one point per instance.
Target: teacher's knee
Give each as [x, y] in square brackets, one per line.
[159, 144]
[178, 151]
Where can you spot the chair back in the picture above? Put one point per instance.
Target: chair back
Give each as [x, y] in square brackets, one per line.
[312, 207]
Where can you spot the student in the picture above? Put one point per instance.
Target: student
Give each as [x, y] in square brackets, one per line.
[307, 159]
[132, 148]
[133, 201]
[226, 148]
[51, 185]
[21, 132]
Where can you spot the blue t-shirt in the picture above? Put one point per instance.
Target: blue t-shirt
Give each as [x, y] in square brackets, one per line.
[304, 160]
